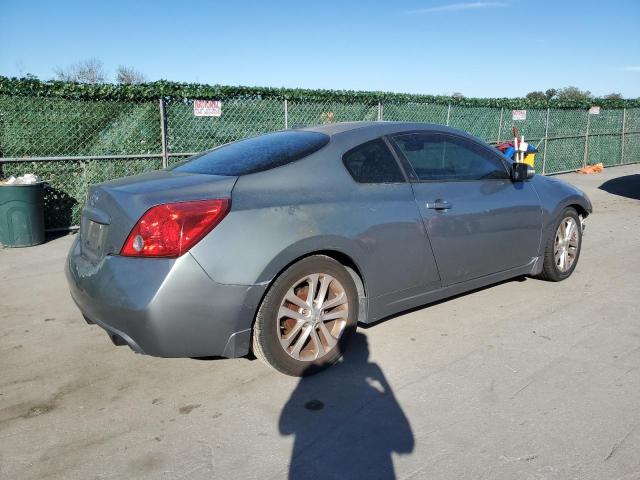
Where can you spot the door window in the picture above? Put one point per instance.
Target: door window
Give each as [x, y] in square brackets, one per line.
[372, 162]
[447, 157]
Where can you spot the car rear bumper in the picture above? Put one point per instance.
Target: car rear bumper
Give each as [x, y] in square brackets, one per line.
[163, 307]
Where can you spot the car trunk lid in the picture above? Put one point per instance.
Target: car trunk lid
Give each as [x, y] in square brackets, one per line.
[113, 208]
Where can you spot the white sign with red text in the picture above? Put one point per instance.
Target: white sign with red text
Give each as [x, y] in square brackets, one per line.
[207, 108]
[519, 114]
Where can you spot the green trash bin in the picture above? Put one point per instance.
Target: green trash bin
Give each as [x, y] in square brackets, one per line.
[22, 215]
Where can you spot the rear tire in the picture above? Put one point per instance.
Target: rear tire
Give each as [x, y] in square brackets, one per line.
[309, 333]
[562, 248]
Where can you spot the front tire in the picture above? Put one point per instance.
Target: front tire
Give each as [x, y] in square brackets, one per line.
[307, 317]
[562, 249]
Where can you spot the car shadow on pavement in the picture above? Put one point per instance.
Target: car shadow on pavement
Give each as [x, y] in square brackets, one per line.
[627, 186]
[346, 421]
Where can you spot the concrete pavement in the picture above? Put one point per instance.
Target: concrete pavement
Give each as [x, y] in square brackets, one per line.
[525, 379]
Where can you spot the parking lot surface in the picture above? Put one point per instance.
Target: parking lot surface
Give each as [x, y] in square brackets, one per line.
[525, 379]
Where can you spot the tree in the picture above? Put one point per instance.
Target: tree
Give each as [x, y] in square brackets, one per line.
[550, 93]
[537, 95]
[573, 93]
[613, 96]
[85, 71]
[129, 75]
[457, 95]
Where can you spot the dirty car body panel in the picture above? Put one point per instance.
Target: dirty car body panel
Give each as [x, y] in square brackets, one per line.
[402, 252]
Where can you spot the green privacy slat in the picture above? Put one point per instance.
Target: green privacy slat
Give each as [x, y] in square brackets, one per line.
[416, 112]
[303, 114]
[631, 147]
[240, 118]
[605, 149]
[54, 126]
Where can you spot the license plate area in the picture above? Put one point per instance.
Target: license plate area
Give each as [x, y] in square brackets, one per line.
[92, 238]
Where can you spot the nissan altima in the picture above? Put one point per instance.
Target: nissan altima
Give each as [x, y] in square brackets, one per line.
[281, 244]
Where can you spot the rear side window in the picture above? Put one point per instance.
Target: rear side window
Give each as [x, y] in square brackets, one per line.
[447, 157]
[372, 162]
[255, 154]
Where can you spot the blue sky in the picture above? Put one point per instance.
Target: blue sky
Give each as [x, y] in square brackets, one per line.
[479, 48]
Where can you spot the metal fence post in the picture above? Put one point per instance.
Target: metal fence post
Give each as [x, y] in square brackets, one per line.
[586, 141]
[500, 124]
[448, 114]
[380, 111]
[163, 135]
[624, 121]
[546, 139]
[85, 184]
[286, 114]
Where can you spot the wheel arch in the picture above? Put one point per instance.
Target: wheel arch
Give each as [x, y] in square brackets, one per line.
[580, 209]
[341, 257]
[578, 203]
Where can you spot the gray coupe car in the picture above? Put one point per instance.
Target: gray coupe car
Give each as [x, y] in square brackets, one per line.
[282, 243]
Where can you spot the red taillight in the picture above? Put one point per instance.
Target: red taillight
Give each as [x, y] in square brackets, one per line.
[171, 229]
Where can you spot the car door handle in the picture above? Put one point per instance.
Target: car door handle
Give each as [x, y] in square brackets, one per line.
[439, 204]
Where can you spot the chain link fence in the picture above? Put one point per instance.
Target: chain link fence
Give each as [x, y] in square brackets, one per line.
[74, 143]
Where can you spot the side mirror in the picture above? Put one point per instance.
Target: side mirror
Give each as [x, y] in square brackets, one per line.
[521, 172]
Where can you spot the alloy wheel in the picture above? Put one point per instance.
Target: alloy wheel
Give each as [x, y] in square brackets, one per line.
[312, 317]
[565, 247]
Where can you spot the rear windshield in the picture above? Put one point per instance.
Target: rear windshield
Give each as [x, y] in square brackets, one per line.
[255, 154]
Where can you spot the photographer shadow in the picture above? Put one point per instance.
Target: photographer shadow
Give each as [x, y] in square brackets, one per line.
[346, 421]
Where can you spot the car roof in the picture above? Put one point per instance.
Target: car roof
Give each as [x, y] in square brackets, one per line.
[381, 128]
[338, 127]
